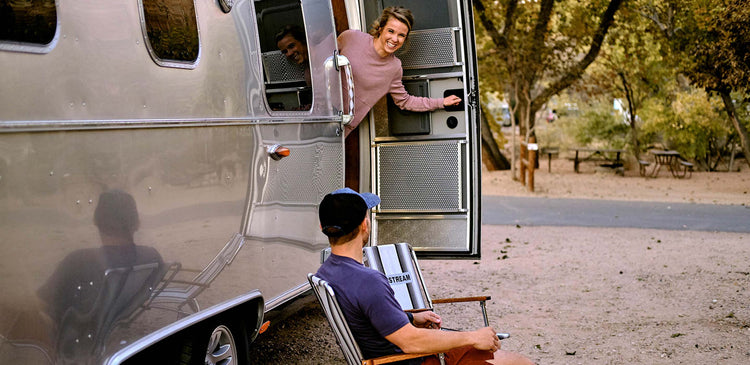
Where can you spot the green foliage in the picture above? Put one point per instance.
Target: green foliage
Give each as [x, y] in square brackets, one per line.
[692, 124]
[742, 103]
[714, 40]
[533, 50]
[599, 126]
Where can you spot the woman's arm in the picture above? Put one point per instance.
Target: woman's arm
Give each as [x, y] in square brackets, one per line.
[404, 101]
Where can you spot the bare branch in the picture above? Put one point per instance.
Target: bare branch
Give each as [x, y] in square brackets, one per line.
[576, 71]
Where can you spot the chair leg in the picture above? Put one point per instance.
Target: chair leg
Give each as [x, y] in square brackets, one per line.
[484, 313]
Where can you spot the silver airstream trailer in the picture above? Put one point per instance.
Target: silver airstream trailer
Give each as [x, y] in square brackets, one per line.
[161, 163]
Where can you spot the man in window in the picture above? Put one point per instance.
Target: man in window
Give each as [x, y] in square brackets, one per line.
[293, 44]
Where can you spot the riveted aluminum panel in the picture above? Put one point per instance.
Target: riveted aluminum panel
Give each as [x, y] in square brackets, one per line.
[441, 234]
[286, 183]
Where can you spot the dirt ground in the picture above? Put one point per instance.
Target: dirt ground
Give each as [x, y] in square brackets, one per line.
[570, 295]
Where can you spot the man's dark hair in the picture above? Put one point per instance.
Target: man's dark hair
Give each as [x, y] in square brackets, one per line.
[295, 31]
[116, 214]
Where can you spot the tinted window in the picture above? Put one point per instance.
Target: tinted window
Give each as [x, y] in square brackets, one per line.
[28, 21]
[172, 29]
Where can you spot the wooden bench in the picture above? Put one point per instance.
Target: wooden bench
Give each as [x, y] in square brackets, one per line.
[643, 166]
[684, 170]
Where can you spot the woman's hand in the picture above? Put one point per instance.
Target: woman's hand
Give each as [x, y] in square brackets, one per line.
[451, 100]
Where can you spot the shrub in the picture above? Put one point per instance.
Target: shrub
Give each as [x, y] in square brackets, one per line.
[694, 124]
[600, 126]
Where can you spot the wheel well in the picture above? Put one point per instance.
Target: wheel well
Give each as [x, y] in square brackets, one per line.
[184, 342]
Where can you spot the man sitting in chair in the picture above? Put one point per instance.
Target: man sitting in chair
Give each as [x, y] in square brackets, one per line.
[378, 323]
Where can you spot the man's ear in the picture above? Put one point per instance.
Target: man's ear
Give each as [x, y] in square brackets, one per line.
[365, 225]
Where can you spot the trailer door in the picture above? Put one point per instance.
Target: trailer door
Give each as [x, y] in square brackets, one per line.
[426, 166]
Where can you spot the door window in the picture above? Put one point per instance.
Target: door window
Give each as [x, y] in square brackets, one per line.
[285, 56]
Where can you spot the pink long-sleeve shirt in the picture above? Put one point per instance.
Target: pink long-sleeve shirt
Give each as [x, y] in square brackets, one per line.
[375, 76]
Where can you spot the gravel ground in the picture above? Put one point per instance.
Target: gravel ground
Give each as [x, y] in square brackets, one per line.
[571, 295]
[579, 296]
[303, 338]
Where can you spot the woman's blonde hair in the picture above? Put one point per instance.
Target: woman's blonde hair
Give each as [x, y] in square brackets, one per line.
[399, 13]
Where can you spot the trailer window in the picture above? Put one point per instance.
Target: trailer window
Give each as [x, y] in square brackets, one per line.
[171, 31]
[28, 22]
[283, 43]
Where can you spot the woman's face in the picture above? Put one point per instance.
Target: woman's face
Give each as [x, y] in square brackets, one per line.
[392, 36]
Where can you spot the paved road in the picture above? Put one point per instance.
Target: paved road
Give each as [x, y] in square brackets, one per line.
[502, 210]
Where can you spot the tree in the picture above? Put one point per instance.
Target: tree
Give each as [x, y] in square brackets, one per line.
[543, 46]
[632, 67]
[712, 39]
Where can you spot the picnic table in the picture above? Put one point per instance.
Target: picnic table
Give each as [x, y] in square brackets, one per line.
[676, 165]
[609, 155]
[549, 151]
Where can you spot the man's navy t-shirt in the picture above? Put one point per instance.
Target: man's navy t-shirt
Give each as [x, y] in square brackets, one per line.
[367, 302]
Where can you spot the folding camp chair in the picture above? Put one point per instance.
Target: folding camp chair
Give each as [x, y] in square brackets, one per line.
[327, 299]
[398, 263]
[83, 333]
[174, 294]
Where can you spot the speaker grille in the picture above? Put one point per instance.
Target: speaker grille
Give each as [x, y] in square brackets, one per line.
[278, 68]
[419, 177]
[429, 48]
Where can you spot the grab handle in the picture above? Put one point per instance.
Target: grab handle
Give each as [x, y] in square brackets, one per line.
[343, 62]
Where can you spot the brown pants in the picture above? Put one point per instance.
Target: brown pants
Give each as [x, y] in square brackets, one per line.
[466, 355]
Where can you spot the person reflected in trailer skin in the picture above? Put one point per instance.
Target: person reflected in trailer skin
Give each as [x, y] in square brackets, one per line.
[379, 325]
[76, 288]
[292, 43]
[377, 71]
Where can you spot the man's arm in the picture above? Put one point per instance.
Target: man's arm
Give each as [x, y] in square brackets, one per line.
[421, 340]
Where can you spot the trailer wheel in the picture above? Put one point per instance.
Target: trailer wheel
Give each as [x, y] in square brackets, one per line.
[221, 347]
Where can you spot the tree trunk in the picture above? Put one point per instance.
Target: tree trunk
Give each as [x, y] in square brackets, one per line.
[741, 130]
[491, 155]
[631, 116]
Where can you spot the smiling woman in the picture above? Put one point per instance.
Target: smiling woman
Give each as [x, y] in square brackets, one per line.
[377, 71]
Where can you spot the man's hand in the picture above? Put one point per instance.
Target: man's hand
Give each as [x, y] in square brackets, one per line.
[427, 319]
[485, 339]
[451, 100]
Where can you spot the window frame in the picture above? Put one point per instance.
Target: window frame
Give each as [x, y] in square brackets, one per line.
[167, 62]
[265, 85]
[37, 48]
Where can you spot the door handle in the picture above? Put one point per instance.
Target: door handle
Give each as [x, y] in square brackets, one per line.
[343, 62]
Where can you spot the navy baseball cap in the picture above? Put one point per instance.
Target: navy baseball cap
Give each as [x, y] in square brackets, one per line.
[343, 210]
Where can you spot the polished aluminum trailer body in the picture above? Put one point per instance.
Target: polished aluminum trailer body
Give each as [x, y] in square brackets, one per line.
[197, 138]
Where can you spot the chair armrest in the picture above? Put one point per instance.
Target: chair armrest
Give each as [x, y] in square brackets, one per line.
[190, 270]
[190, 282]
[481, 301]
[393, 358]
[461, 300]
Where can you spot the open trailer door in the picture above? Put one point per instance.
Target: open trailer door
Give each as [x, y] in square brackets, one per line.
[426, 166]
